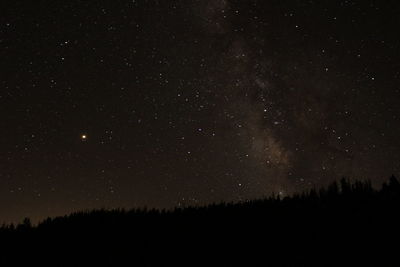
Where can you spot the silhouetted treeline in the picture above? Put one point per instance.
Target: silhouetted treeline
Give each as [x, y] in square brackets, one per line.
[341, 225]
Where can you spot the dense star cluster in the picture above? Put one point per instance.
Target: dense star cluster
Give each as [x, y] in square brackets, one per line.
[175, 103]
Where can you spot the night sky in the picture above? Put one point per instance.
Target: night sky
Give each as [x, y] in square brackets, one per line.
[175, 103]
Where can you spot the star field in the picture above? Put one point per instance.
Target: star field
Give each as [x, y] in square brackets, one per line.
[176, 103]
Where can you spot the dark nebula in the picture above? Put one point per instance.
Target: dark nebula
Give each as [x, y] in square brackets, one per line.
[175, 103]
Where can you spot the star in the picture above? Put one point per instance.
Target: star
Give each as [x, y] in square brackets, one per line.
[242, 104]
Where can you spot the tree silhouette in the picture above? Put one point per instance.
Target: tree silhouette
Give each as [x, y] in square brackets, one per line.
[348, 223]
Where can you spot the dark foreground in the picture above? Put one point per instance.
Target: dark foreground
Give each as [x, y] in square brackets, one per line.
[343, 225]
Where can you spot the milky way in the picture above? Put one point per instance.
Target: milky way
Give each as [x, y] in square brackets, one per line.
[175, 103]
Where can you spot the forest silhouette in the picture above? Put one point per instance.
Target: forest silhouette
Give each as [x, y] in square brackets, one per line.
[344, 224]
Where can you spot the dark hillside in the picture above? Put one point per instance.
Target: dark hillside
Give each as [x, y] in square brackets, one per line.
[344, 224]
